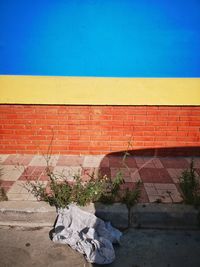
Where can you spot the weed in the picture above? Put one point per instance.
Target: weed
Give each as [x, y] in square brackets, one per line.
[111, 193]
[3, 196]
[190, 187]
[131, 196]
[60, 192]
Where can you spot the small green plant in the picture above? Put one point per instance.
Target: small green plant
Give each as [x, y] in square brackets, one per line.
[190, 187]
[111, 193]
[86, 192]
[3, 196]
[131, 197]
[61, 192]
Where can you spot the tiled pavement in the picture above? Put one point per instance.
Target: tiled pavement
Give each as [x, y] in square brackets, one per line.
[160, 175]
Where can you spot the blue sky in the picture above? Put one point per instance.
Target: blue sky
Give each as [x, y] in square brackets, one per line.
[103, 38]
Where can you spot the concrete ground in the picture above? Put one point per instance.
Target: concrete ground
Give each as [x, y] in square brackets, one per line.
[32, 247]
[22, 247]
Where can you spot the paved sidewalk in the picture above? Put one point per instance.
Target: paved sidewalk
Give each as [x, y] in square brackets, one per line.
[158, 174]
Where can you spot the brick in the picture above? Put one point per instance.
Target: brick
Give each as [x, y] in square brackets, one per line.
[103, 138]
[144, 118]
[144, 128]
[172, 133]
[168, 118]
[141, 138]
[183, 134]
[189, 118]
[194, 123]
[138, 143]
[97, 123]
[150, 107]
[156, 123]
[157, 112]
[193, 133]
[13, 126]
[195, 112]
[98, 150]
[152, 133]
[75, 148]
[173, 123]
[6, 131]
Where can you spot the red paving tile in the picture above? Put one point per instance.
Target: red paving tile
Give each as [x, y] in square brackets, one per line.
[115, 162]
[44, 177]
[145, 162]
[178, 188]
[70, 161]
[6, 189]
[130, 162]
[23, 160]
[28, 171]
[6, 185]
[150, 175]
[104, 162]
[164, 192]
[143, 197]
[177, 163]
[119, 161]
[175, 174]
[128, 174]
[33, 173]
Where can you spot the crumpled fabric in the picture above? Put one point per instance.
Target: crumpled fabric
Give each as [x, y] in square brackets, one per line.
[87, 234]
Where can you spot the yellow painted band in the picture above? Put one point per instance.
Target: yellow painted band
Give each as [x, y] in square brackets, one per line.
[99, 91]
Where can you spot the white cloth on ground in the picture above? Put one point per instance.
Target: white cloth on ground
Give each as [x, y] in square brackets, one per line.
[87, 234]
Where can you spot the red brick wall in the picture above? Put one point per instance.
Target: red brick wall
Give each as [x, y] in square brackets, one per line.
[96, 129]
